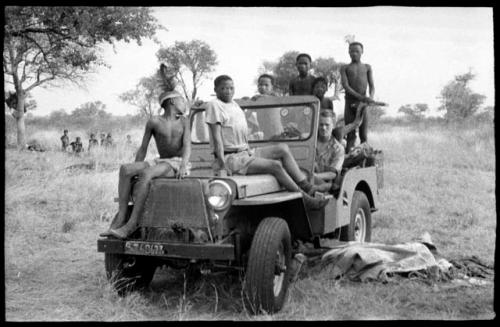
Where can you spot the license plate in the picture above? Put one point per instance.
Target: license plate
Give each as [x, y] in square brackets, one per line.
[133, 247]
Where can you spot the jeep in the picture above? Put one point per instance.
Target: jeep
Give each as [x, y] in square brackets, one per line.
[247, 223]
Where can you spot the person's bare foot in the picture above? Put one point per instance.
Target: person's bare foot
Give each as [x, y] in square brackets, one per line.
[314, 203]
[323, 188]
[117, 222]
[122, 232]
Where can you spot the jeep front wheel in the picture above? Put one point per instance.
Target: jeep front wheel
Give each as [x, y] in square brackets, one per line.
[268, 269]
[128, 273]
[360, 225]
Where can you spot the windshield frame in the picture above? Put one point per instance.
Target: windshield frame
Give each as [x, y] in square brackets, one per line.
[196, 111]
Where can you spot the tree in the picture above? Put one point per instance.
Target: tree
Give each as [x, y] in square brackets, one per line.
[184, 59]
[458, 100]
[283, 71]
[90, 114]
[414, 112]
[329, 68]
[144, 96]
[44, 45]
[374, 114]
[11, 102]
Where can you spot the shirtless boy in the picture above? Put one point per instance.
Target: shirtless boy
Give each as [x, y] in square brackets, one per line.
[320, 86]
[229, 140]
[356, 78]
[302, 84]
[64, 140]
[172, 137]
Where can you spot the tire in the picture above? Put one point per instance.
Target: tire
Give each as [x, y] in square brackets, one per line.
[129, 273]
[360, 225]
[268, 270]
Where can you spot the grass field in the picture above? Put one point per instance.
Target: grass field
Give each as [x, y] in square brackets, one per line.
[436, 180]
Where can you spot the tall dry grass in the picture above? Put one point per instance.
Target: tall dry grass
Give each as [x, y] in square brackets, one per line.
[436, 179]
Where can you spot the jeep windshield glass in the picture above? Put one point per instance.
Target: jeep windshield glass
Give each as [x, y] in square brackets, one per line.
[264, 124]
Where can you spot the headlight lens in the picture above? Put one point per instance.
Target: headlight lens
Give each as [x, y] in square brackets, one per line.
[219, 195]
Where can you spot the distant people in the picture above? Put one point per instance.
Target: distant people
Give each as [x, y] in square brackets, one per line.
[108, 142]
[356, 78]
[64, 140]
[329, 152]
[103, 139]
[129, 140]
[320, 86]
[173, 141]
[77, 145]
[232, 154]
[93, 142]
[35, 146]
[302, 84]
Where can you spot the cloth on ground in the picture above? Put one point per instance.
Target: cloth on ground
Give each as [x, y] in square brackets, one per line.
[373, 261]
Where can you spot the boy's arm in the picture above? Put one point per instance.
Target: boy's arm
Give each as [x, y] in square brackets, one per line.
[186, 148]
[291, 91]
[216, 131]
[371, 85]
[360, 112]
[348, 89]
[141, 153]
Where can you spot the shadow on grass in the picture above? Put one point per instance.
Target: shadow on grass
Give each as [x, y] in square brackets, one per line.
[216, 292]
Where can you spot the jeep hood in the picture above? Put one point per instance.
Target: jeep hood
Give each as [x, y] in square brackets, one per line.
[253, 185]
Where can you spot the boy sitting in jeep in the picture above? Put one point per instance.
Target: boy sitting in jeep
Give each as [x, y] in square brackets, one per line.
[229, 140]
[172, 138]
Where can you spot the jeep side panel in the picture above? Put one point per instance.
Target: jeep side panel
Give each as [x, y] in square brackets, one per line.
[338, 212]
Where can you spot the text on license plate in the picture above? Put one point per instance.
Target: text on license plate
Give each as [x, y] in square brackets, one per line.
[144, 248]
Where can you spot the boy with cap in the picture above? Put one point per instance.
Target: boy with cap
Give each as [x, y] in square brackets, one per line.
[172, 138]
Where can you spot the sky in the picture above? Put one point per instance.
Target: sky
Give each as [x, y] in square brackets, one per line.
[414, 51]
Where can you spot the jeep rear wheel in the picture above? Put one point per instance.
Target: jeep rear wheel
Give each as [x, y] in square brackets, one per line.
[129, 273]
[360, 225]
[268, 269]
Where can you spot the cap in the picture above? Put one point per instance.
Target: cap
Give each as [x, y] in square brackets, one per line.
[167, 95]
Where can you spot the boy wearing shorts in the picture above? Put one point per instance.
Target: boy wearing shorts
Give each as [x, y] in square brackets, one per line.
[229, 140]
[173, 140]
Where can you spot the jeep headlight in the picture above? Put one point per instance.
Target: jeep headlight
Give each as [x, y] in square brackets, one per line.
[219, 195]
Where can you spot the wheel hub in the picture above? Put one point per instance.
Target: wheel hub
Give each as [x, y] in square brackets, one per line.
[360, 226]
[279, 272]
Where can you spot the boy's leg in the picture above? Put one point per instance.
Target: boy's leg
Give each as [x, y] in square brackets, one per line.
[127, 171]
[363, 129]
[282, 152]
[275, 168]
[145, 177]
[349, 116]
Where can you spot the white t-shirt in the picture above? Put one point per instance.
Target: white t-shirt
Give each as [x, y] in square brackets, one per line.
[233, 124]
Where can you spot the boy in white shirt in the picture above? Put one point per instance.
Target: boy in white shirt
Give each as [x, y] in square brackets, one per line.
[229, 139]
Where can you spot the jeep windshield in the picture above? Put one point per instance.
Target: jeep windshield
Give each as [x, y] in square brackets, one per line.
[264, 124]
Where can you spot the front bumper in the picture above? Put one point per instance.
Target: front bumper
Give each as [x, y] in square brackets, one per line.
[208, 251]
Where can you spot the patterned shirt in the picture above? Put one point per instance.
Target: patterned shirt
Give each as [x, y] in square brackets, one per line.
[331, 158]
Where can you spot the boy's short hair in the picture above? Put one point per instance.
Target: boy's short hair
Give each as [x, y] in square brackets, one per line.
[266, 76]
[328, 113]
[65, 131]
[356, 43]
[320, 79]
[221, 78]
[303, 55]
